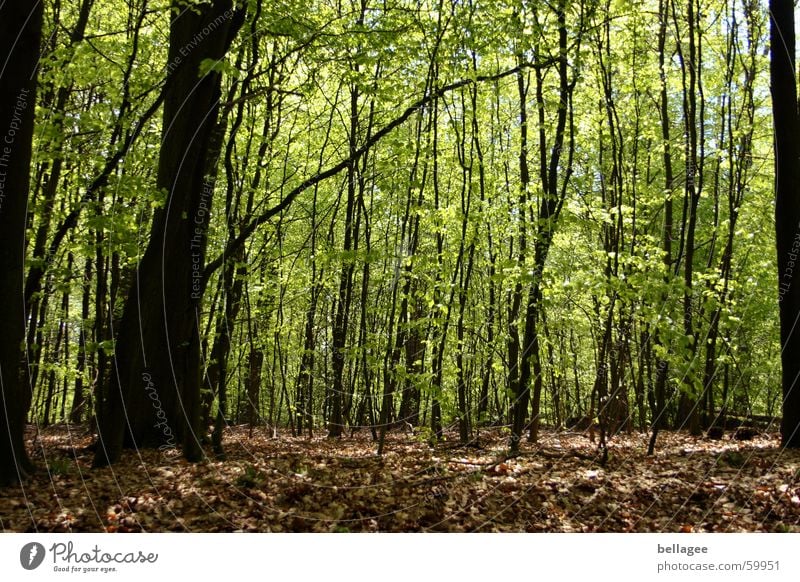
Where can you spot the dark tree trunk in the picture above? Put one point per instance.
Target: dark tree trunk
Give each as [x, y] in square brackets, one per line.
[20, 33]
[255, 362]
[439, 336]
[486, 376]
[157, 357]
[341, 323]
[659, 397]
[57, 116]
[516, 387]
[688, 402]
[554, 174]
[305, 377]
[787, 206]
[61, 340]
[218, 368]
[408, 325]
[78, 408]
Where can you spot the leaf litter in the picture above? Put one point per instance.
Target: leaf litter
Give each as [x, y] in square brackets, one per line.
[299, 484]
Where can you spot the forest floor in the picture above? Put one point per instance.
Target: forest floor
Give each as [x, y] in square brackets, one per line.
[291, 484]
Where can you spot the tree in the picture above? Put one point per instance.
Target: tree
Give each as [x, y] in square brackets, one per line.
[20, 34]
[155, 400]
[787, 206]
[441, 215]
[555, 170]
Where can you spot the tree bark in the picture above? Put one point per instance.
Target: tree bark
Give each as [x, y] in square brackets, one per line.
[157, 355]
[20, 34]
[662, 365]
[787, 206]
[78, 408]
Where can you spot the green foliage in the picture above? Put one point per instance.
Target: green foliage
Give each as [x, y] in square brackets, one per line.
[734, 459]
[251, 477]
[60, 466]
[439, 216]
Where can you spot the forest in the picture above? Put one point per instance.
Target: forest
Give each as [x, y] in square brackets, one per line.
[399, 265]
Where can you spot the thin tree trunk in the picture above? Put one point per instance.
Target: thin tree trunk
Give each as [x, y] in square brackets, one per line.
[662, 365]
[78, 408]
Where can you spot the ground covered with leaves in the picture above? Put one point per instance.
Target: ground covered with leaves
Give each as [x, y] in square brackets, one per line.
[291, 484]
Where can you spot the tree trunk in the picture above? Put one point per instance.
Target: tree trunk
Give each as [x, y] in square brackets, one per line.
[157, 356]
[662, 365]
[554, 174]
[20, 33]
[787, 206]
[78, 408]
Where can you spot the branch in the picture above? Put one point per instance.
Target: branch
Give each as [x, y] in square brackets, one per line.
[32, 283]
[251, 227]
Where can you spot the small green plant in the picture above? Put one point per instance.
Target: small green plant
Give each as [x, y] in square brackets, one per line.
[475, 476]
[423, 434]
[734, 459]
[59, 466]
[251, 477]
